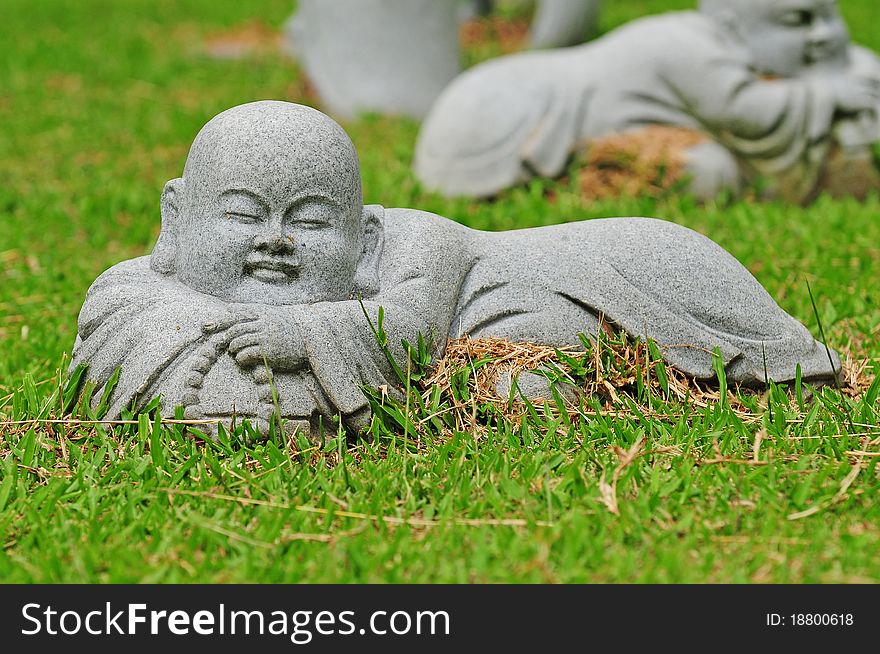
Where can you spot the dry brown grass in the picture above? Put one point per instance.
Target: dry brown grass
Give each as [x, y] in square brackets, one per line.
[244, 40]
[853, 346]
[616, 370]
[647, 161]
[505, 34]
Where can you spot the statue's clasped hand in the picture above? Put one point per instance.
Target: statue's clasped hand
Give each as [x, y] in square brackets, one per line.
[257, 339]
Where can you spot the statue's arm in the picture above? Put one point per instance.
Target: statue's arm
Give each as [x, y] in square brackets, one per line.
[427, 260]
[747, 106]
[717, 84]
[142, 322]
[343, 352]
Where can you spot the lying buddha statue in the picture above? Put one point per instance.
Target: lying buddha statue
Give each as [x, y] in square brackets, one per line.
[253, 301]
[772, 88]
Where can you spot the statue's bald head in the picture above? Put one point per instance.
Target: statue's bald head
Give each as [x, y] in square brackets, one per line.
[269, 210]
[784, 37]
[297, 146]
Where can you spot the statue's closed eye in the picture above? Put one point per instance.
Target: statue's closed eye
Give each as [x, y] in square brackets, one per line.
[242, 217]
[311, 222]
[313, 214]
[797, 18]
[244, 206]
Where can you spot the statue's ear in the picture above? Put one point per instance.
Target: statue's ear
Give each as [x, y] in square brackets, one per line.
[366, 279]
[165, 252]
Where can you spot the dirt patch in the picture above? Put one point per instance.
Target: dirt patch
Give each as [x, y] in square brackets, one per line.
[850, 173]
[494, 33]
[649, 161]
[245, 40]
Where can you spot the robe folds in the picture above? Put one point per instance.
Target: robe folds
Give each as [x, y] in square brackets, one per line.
[523, 115]
[440, 279]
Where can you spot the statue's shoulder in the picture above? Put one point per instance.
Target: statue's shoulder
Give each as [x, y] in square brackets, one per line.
[130, 274]
[666, 25]
[127, 270]
[416, 226]
[423, 241]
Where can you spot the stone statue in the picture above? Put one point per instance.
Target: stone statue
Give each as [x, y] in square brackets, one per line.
[267, 261]
[384, 56]
[773, 86]
[396, 56]
[560, 23]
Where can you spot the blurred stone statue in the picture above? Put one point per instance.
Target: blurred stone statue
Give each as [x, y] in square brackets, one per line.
[384, 56]
[396, 56]
[773, 86]
[559, 23]
[253, 302]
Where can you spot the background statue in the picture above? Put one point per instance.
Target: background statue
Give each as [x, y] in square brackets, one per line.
[387, 56]
[772, 86]
[396, 56]
[267, 261]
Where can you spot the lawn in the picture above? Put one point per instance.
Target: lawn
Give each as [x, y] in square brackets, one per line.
[99, 103]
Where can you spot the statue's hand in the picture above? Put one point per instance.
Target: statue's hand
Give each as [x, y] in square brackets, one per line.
[855, 94]
[254, 340]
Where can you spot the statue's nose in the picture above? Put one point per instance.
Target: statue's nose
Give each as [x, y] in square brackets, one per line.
[822, 32]
[275, 241]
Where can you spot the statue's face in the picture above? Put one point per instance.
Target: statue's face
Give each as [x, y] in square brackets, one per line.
[271, 246]
[787, 37]
[270, 226]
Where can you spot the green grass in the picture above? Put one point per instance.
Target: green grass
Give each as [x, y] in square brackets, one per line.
[100, 102]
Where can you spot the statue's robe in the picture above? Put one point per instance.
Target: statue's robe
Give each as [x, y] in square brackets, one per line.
[649, 277]
[524, 115]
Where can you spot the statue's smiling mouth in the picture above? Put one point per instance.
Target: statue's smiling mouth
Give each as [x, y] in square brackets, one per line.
[271, 270]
